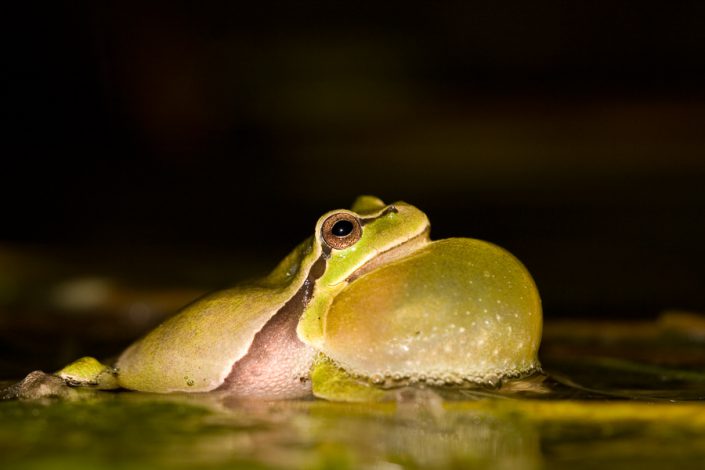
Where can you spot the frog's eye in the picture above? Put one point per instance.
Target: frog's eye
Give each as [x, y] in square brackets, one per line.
[341, 230]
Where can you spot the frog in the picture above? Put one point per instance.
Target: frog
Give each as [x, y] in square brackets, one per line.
[364, 306]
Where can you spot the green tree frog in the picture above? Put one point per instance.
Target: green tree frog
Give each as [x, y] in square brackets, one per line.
[367, 304]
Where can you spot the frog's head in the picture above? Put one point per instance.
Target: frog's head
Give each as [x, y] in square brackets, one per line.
[372, 233]
[350, 243]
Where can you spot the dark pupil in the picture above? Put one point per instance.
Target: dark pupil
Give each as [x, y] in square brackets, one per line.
[342, 228]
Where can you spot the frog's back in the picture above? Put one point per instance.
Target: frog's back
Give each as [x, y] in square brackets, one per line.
[196, 349]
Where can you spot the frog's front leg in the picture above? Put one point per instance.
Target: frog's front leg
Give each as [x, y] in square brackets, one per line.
[331, 382]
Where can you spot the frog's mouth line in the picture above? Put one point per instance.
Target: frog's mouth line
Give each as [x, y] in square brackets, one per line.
[392, 254]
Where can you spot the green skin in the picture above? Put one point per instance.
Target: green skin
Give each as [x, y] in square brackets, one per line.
[392, 309]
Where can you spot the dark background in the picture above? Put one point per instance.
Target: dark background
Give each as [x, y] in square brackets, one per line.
[171, 141]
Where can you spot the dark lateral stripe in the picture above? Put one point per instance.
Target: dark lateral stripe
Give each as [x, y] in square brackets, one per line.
[387, 210]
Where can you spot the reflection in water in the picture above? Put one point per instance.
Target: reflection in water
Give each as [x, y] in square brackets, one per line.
[123, 430]
[475, 437]
[417, 432]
